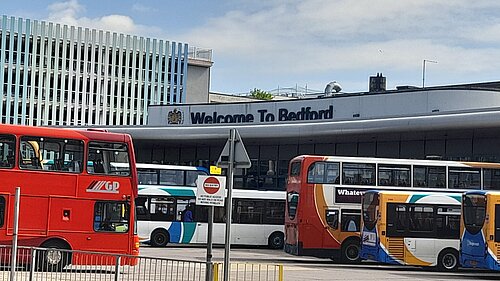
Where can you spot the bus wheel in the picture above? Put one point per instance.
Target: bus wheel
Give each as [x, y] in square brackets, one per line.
[350, 251]
[160, 238]
[276, 240]
[53, 259]
[448, 260]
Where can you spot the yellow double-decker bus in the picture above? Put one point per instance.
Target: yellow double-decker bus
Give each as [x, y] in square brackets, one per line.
[411, 228]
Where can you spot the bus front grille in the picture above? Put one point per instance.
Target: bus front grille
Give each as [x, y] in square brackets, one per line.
[396, 247]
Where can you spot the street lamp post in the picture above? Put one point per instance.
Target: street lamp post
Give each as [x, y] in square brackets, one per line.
[423, 70]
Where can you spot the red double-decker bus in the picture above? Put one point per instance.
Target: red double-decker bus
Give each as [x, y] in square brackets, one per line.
[77, 190]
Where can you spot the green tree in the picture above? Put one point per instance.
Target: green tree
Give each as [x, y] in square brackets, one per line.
[260, 94]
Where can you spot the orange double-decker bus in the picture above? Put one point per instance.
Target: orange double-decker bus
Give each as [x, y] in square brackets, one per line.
[77, 190]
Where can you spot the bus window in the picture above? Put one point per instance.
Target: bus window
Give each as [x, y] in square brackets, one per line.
[491, 180]
[108, 158]
[448, 222]
[295, 169]
[332, 218]
[316, 173]
[474, 212]
[247, 211]
[275, 212]
[147, 176]
[394, 175]
[2, 211]
[350, 219]
[358, 174]
[429, 176]
[293, 201]
[162, 209]
[172, 177]
[7, 147]
[111, 216]
[192, 177]
[142, 208]
[421, 219]
[370, 209]
[497, 223]
[461, 178]
[397, 220]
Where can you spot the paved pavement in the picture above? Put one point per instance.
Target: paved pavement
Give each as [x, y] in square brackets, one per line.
[309, 268]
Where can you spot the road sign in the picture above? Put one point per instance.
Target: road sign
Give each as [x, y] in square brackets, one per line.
[214, 170]
[241, 159]
[211, 190]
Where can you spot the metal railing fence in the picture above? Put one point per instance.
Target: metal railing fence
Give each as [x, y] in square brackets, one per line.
[35, 264]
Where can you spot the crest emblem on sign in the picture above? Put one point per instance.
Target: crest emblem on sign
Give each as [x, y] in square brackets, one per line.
[175, 117]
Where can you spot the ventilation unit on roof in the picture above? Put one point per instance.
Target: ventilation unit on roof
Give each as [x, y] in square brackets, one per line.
[377, 83]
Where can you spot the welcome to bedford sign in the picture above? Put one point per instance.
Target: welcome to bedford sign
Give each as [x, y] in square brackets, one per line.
[241, 113]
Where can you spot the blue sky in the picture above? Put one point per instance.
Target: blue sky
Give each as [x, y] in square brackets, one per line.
[270, 44]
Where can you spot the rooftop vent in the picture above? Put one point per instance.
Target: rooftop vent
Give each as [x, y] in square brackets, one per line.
[377, 83]
[332, 87]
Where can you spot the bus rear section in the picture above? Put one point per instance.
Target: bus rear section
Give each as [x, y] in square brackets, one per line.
[480, 239]
[314, 224]
[411, 228]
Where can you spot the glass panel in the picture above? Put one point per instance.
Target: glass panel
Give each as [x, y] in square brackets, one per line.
[274, 212]
[429, 176]
[295, 169]
[396, 220]
[192, 177]
[293, 201]
[2, 211]
[316, 173]
[162, 209]
[358, 174]
[461, 178]
[248, 211]
[111, 216]
[332, 218]
[394, 175]
[474, 208]
[63, 155]
[350, 220]
[491, 179]
[7, 147]
[370, 209]
[108, 158]
[172, 177]
[147, 176]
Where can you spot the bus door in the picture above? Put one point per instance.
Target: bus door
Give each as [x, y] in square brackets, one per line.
[497, 229]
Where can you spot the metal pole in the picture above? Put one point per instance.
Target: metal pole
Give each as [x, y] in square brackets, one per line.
[13, 262]
[423, 74]
[423, 70]
[208, 272]
[229, 205]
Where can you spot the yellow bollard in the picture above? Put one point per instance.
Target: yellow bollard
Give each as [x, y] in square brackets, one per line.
[215, 271]
[280, 277]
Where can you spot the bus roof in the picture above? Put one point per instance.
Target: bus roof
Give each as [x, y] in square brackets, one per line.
[170, 167]
[63, 133]
[399, 161]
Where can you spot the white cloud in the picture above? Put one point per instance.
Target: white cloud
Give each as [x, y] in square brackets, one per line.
[319, 36]
[69, 12]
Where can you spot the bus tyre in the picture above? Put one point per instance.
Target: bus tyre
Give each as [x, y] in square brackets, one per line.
[448, 260]
[276, 240]
[52, 258]
[160, 238]
[350, 251]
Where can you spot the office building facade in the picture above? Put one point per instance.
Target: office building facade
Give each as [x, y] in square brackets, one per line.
[59, 75]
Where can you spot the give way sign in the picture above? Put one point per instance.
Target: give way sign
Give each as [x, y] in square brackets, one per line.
[211, 190]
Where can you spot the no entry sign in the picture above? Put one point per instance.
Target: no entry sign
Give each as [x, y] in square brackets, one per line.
[211, 190]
